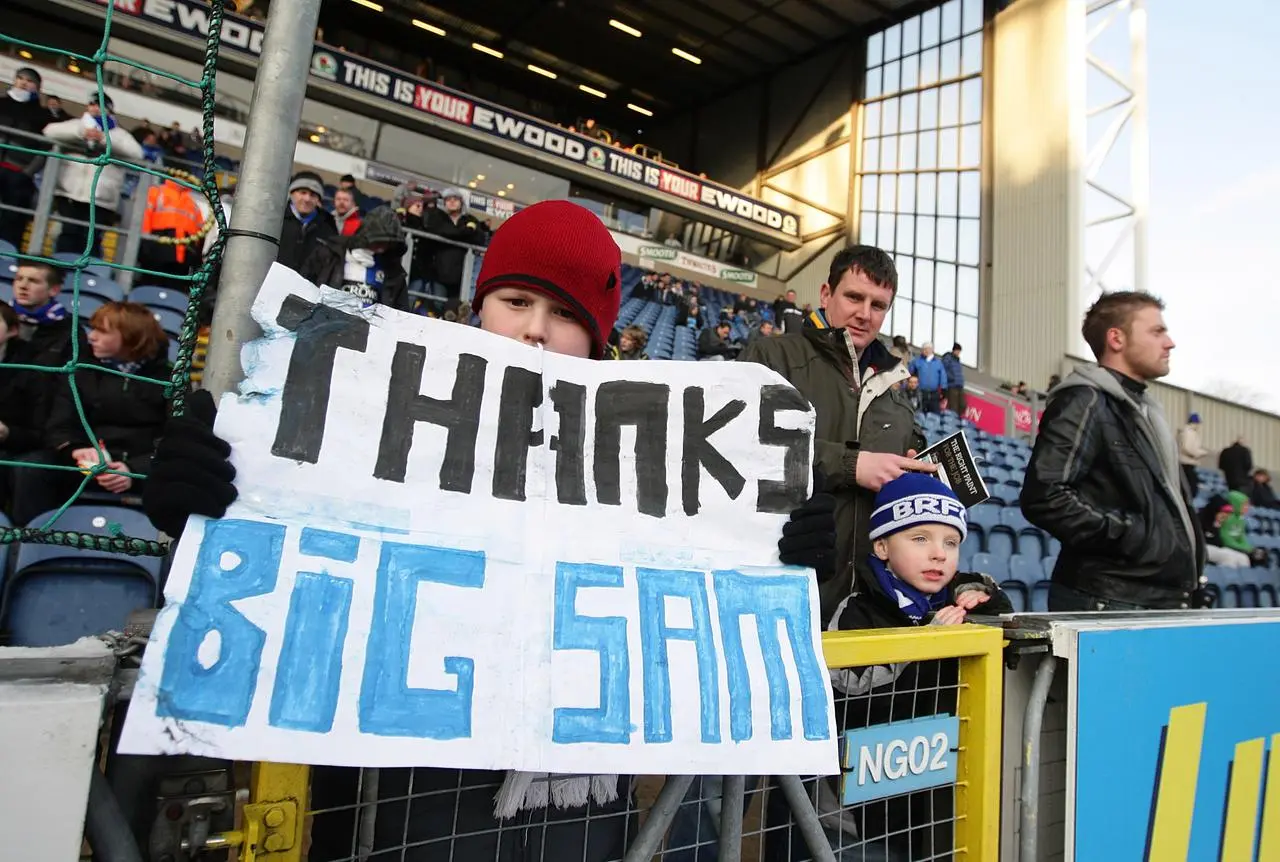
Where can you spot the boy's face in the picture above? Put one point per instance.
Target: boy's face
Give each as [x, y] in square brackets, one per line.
[627, 343]
[534, 318]
[31, 288]
[926, 556]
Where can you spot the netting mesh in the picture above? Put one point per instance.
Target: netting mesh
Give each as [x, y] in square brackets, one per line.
[179, 382]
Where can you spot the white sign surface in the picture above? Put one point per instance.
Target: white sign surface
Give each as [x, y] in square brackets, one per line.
[451, 549]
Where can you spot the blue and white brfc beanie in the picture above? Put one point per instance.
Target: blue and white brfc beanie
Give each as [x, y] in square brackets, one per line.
[916, 498]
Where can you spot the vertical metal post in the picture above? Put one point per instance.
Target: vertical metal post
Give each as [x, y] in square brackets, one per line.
[276, 111]
[1140, 145]
[468, 275]
[133, 235]
[44, 202]
[1032, 722]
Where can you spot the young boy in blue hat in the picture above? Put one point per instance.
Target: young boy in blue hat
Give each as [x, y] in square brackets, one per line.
[910, 578]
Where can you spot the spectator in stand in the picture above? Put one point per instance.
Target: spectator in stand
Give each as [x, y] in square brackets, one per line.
[1263, 495]
[691, 314]
[865, 432]
[932, 373]
[632, 342]
[788, 315]
[591, 130]
[125, 414]
[901, 349]
[647, 287]
[367, 264]
[20, 111]
[550, 279]
[43, 338]
[57, 113]
[1021, 390]
[955, 380]
[913, 394]
[76, 180]
[173, 212]
[348, 183]
[1226, 540]
[21, 430]
[305, 223]
[714, 344]
[1104, 477]
[1190, 451]
[346, 215]
[763, 330]
[451, 222]
[1236, 464]
[741, 304]
[1054, 380]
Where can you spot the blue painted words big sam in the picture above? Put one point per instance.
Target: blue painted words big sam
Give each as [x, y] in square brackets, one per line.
[240, 559]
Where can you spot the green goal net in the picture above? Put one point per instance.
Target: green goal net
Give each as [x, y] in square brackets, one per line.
[83, 270]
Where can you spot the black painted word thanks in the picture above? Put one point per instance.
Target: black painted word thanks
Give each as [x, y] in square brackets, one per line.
[321, 331]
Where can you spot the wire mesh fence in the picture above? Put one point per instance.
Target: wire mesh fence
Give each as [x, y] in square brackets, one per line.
[442, 815]
[92, 468]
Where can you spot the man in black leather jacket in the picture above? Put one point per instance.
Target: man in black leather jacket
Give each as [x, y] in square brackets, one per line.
[1104, 476]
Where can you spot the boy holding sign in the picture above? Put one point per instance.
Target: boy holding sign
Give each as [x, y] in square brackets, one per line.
[552, 279]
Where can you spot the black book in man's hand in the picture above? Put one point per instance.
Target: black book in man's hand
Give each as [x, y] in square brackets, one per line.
[957, 467]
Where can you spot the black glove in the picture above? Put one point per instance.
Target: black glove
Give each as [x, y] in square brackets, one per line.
[190, 473]
[809, 538]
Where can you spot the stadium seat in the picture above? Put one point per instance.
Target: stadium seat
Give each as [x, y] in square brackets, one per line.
[1040, 598]
[6, 291]
[1049, 563]
[92, 284]
[1033, 542]
[58, 594]
[159, 297]
[995, 567]
[1025, 569]
[1017, 594]
[170, 321]
[7, 249]
[1001, 542]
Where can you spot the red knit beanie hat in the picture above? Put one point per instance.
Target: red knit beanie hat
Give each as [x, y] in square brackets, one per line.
[564, 251]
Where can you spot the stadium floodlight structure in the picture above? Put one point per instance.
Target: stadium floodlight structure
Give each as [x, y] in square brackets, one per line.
[1116, 193]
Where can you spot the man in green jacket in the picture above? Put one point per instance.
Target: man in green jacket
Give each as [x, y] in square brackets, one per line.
[866, 431]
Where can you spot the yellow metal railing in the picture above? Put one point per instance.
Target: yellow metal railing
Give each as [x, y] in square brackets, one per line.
[274, 821]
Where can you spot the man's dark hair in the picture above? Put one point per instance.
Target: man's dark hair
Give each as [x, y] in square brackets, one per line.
[347, 178]
[52, 275]
[1114, 311]
[956, 347]
[872, 262]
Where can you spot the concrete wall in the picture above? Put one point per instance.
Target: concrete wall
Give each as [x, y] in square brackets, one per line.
[1034, 215]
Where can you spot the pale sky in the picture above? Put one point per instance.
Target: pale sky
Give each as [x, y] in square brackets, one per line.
[1214, 84]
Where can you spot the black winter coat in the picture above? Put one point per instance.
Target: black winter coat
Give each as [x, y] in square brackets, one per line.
[25, 117]
[27, 397]
[1236, 464]
[1097, 482]
[127, 415]
[325, 267]
[298, 240]
[448, 260]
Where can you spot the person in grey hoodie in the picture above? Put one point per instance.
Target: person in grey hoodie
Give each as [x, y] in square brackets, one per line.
[1104, 476]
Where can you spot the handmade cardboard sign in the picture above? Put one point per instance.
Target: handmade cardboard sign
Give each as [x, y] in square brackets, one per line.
[453, 549]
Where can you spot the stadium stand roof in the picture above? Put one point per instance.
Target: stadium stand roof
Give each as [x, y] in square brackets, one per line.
[734, 40]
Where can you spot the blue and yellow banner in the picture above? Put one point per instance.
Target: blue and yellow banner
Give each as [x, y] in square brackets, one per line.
[1178, 743]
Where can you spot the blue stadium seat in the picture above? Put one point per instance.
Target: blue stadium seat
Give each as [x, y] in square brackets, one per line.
[1025, 569]
[6, 290]
[1017, 594]
[170, 321]
[7, 249]
[92, 284]
[1040, 598]
[1013, 518]
[59, 594]
[1033, 542]
[89, 303]
[1049, 563]
[159, 297]
[1001, 543]
[995, 567]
